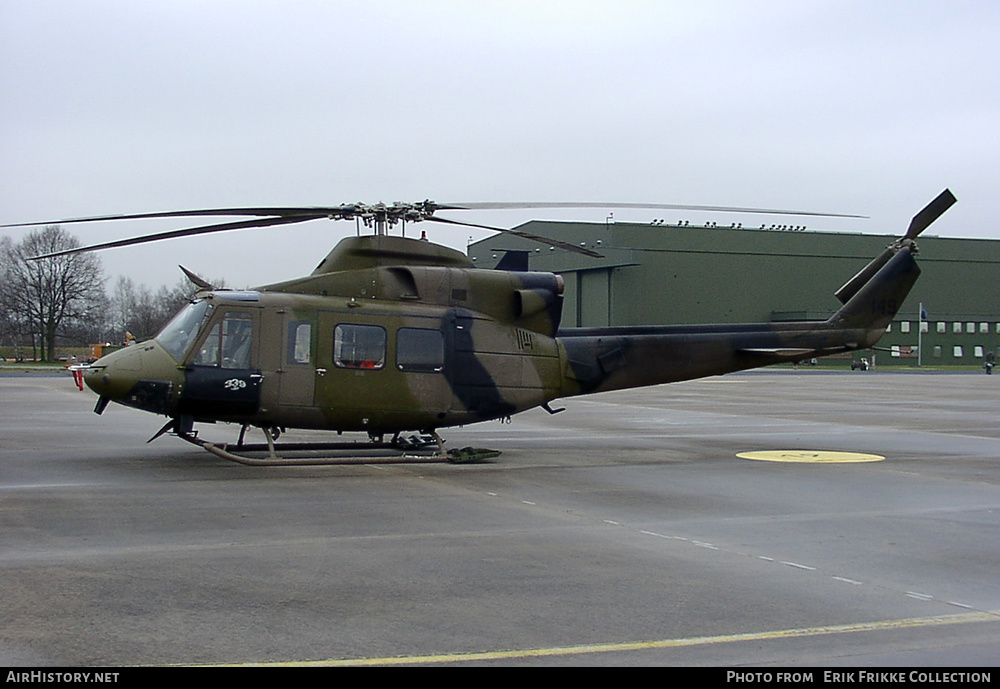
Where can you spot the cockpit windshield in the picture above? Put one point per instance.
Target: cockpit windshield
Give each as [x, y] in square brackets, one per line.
[178, 335]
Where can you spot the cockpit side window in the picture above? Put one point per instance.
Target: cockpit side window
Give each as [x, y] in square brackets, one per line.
[229, 342]
[182, 330]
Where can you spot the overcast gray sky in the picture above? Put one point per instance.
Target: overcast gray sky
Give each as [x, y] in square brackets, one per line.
[869, 107]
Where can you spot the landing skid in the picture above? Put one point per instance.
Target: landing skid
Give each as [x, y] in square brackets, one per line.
[425, 448]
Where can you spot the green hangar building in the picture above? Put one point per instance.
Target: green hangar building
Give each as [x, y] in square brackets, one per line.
[663, 274]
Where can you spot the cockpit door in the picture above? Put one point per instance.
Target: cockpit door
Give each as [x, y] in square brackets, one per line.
[221, 379]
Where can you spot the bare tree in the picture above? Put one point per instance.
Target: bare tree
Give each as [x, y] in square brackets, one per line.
[169, 300]
[52, 295]
[135, 310]
[13, 326]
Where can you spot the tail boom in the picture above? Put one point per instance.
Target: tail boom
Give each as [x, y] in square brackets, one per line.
[601, 359]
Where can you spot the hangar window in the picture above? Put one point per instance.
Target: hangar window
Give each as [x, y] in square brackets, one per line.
[420, 350]
[359, 346]
[957, 351]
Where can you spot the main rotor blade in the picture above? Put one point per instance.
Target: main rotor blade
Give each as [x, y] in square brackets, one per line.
[423, 210]
[284, 212]
[517, 233]
[172, 234]
[486, 206]
[931, 212]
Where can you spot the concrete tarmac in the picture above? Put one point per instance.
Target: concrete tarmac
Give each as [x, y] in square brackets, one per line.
[622, 531]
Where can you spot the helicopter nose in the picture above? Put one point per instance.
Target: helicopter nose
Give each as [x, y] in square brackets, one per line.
[113, 376]
[143, 376]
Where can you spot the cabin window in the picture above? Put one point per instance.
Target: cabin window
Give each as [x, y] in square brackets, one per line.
[228, 343]
[359, 346]
[420, 350]
[299, 342]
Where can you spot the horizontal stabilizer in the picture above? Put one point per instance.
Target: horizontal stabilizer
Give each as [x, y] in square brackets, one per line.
[778, 351]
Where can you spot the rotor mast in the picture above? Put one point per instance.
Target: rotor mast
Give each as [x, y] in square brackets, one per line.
[381, 218]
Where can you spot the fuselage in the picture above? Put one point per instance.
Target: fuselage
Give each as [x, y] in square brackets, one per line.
[371, 348]
[390, 335]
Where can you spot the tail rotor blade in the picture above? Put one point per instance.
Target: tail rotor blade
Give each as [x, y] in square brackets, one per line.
[920, 222]
[934, 210]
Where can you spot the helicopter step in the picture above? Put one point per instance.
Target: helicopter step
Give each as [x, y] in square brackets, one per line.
[423, 448]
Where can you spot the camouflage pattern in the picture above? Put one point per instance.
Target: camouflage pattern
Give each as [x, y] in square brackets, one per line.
[392, 334]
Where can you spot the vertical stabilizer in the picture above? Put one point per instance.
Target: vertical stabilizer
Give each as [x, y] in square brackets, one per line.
[873, 305]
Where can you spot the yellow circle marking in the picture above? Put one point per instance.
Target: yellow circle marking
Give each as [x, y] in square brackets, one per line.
[812, 456]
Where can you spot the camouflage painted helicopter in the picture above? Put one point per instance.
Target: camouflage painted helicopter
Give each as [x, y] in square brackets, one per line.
[391, 335]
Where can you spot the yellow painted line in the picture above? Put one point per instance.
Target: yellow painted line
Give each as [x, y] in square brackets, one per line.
[962, 618]
[810, 456]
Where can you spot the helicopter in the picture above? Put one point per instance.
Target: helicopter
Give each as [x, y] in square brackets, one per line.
[392, 335]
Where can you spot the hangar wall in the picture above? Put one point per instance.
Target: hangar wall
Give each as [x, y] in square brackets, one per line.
[670, 274]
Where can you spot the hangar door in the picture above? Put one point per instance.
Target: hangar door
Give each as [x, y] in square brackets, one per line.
[594, 298]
